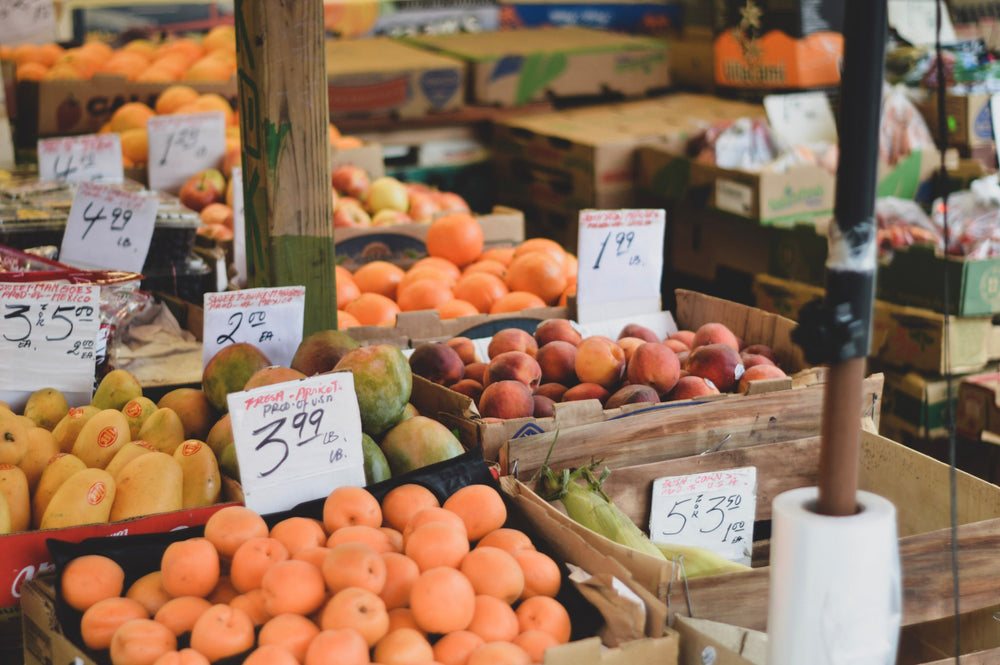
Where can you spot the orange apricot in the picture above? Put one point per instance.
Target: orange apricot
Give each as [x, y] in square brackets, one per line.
[222, 631]
[90, 578]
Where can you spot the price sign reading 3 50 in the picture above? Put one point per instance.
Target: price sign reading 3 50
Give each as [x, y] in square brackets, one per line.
[109, 227]
[620, 255]
[714, 510]
[88, 158]
[297, 440]
[182, 145]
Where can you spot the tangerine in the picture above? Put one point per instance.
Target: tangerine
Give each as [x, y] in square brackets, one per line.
[379, 277]
[482, 289]
[423, 294]
[516, 301]
[538, 273]
[373, 309]
[457, 237]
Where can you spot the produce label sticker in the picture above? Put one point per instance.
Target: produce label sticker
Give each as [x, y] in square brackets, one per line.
[87, 158]
[620, 255]
[296, 441]
[27, 21]
[713, 510]
[109, 227]
[801, 118]
[268, 318]
[48, 339]
[182, 145]
[239, 229]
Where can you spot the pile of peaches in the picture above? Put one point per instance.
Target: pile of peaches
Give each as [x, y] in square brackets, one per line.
[410, 580]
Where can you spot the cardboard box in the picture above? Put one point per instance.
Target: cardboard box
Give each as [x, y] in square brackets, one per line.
[719, 643]
[517, 67]
[397, 18]
[63, 107]
[692, 59]
[382, 76]
[916, 276]
[977, 412]
[630, 16]
[917, 404]
[968, 118]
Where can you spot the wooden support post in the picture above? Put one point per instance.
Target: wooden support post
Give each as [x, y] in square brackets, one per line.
[284, 118]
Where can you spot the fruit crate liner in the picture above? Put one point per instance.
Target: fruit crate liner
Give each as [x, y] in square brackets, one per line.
[140, 554]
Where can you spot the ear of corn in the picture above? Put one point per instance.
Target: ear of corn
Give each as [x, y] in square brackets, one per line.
[699, 561]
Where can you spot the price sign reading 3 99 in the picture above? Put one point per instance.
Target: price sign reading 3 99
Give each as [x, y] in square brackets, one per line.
[714, 510]
[297, 440]
[109, 227]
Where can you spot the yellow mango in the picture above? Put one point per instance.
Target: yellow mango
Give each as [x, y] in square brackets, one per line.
[67, 429]
[164, 430]
[136, 412]
[55, 473]
[42, 447]
[14, 488]
[149, 484]
[202, 480]
[13, 438]
[46, 407]
[126, 454]
[4, 517]
[101, 437]
[115, 390]
[85, 498]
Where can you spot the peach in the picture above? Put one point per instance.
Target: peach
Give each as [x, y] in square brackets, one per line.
[422, 206]
[475, 371]
[351, 180]
[557, 359]
[629, 345]
[350, 215]
[512, 339]
[506, 399]
[465, 348]
[719, 363]
[715, 333]
[583, 391]
[753, 359]
[632, 394]
[640, 331]
[758, 372]
[515, 365]
[390, 217]
[468, 387]
[689, 387]
[544, 406]
[551, 330]
[599, 360]
[760, 350]
[686, 337]
[553, 391]
[655, 365]
[676, 345]
[437, 362]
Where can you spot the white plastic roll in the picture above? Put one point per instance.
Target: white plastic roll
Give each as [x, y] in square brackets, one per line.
[835, 596]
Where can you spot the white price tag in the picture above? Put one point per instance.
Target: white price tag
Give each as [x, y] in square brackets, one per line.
[27, 21]
[714, 510]
[87, 158]
[239, 229]
[269, 318]
[620, 256]
[801, 118]
[298, 440]
[182, 145]
[109, 227]
[48, 339]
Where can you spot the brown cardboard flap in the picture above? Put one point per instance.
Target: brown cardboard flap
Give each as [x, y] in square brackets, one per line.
[345, 57]
[704, 641]
[480, 47]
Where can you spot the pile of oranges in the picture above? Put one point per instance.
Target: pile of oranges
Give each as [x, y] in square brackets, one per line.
[212, 58]
[458, 278]
[405, 582]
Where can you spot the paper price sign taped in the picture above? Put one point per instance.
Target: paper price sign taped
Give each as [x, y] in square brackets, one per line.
[109, 227]
[48, 339]
[801, 117]
[24, 21]
[182, 145]
[714, 510]
[268, 318]
[298, 440]
[239, 229]
[87, 158]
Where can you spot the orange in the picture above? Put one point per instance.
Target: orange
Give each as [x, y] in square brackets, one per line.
[222, 631]
[402, 617]
[481, 508]
[379, 277]
[571, 267]
[347, 288]
[515, 301]
[502, 255]
[333, 132]
[373, 537]
[491, 266]
[542, 576]
[418, 273]
[499, 653]
[220, 37]
[312, 555]
[131, 115]
[297, 533]
[436, 544]
[507, 539]
[103, 618]
[83, 60]
[142, 47]
[493, 572]
[565, 296]
[455, 648]
[337, 647]
[544, 613]
[180, 614]
[345, 321]
[538, 273]
[31, 71]
[49, 53]
[230, 527]
[347, 142]
[443, 265]
[252, 603]
[404, 646]
[62, 72]
[359, 609]
[97, 49]
[189, 49]
[125, 63]
[293, 587]
[187, 656]
[535, 642]
[174, 63]
[457, 237]
[402, 502]
[373, 309]
[190, 567]
[148, 591]
[141, 642]
[209, 68]
[431, 514]
[493, 620]
[482, 289]
[354, 564]
[442, 600]
[211, 101]
[423, 294]
[456, 308]
[156, 73]
[90, 578]
[252, 559]
[270, 655]
[27, 53]
[347, 505]
[400, 573]
[135, 145]
[543, 245]
[289, 631]
[174, 97]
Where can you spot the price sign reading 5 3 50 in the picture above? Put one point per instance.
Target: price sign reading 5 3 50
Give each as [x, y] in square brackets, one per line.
[297, 440]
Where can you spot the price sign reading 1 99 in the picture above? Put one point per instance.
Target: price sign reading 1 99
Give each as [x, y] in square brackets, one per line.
[620, 255]
[621, 249]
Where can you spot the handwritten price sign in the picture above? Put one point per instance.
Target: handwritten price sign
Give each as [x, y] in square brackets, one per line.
[620, 260]
[714, 510]
[296, 441]
[269, 318]
[48, 338]
[182, 145]
[88, 158]
[27, 21]
[109, 227]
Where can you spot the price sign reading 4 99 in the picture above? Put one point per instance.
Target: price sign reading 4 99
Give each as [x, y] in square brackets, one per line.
[295, 441]
[48, 334]
[714, 510]
[109, 227]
